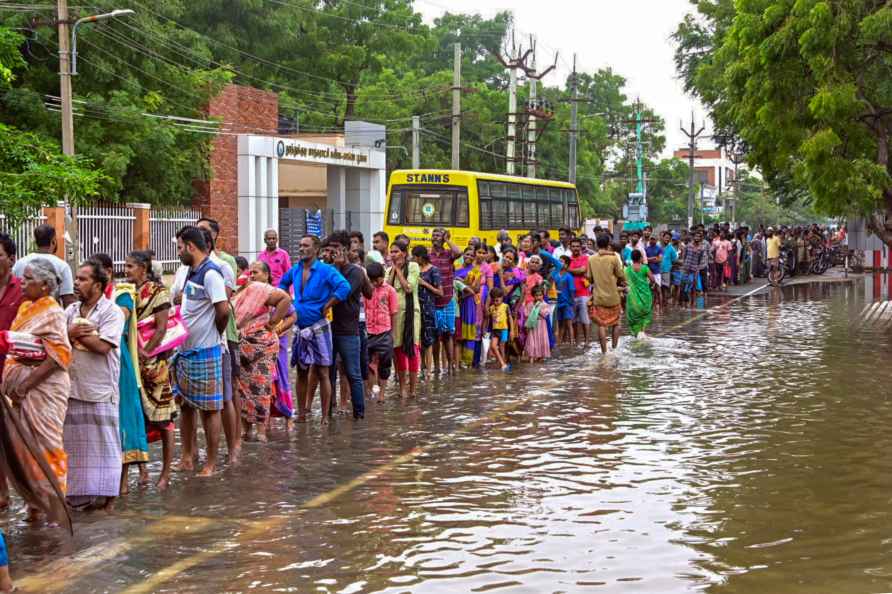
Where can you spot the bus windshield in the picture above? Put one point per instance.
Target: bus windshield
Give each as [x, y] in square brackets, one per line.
[429, 206]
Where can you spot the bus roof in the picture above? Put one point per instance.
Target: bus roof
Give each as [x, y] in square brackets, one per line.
[489, 176]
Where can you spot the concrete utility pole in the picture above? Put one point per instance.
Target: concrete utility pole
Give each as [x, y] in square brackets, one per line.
[512, 120]
[67, 119]
[65, 78]
[517, 60]
[535, 108]
[67, 49]
[737, 158]
[574, 123]
[416, 142]
[456, 107]
[531, 122]
[693, 135]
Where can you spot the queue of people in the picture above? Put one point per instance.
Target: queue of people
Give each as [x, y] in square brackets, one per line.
[98, 368]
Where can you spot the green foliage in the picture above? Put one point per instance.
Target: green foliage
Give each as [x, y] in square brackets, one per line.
[806, 86]
[127, 68]
[33, 172]
[329, 61]
[10, 57]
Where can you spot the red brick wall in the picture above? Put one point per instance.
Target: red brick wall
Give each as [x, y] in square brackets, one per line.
[243, 110]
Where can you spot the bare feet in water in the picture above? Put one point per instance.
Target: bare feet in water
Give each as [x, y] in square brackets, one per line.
[184, 465]
[206, 471]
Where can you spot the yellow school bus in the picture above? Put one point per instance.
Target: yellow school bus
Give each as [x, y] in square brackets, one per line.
[471, 204]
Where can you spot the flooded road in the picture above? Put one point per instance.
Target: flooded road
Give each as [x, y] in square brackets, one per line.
[746, 449]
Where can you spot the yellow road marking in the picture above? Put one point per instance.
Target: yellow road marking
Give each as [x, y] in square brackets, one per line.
[55, 577]
[58, 575]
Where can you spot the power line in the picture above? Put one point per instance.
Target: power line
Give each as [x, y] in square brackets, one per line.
[274, 64]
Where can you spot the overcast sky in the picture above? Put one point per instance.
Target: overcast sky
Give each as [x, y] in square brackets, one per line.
[630, 36]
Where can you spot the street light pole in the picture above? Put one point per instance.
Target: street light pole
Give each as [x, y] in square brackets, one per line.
[67, 68]
[65, 79]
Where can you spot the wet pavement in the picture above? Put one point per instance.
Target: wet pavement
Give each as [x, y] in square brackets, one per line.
[743, 448]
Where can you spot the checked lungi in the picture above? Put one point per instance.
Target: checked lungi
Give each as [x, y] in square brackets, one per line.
[198, 377]
[93, 444]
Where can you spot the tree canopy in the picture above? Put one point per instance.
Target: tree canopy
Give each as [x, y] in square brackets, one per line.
[805, 86]
[32, 168]
[144, 83]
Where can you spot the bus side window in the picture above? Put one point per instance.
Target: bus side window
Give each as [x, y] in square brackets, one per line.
[396, 198]
[461, 210]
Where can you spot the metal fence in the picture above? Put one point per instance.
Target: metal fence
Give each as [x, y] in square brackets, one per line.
[163, 227]
[23, 233]
[106, 230]
[293, 225]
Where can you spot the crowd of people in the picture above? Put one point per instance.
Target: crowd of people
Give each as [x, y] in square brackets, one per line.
[96, 368]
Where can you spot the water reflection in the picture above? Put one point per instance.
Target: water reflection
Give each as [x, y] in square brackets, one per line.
[742, 452]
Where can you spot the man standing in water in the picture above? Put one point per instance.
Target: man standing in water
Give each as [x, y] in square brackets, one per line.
[443, 255]
[276, 258]
[91, 436]
[197, 368]
[606, 274]
[345, 320]
[579, 268]
[317, 288]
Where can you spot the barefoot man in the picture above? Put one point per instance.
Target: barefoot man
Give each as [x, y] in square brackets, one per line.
[606, 274]
[198, 367]
[317, 288]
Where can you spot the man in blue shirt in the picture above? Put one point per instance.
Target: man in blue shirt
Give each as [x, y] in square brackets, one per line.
[317, 288]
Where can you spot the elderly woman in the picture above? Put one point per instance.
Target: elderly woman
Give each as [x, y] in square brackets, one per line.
[259, 309]
[39, 392]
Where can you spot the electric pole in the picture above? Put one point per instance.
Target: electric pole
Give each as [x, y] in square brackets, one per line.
[574, 122]
[512, 120]
[65, 78]
[456, 107]
[416, 142]
[535, 108]
[531, 121]
[692, 135]
[516, 60]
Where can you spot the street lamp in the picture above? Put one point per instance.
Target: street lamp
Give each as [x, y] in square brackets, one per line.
[67, 68]
[91, 19]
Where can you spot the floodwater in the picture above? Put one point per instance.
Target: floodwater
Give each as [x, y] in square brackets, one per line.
[746, 449]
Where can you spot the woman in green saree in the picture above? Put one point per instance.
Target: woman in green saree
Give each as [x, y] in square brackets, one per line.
[640, 301]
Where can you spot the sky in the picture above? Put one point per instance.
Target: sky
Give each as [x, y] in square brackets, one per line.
[633, 37]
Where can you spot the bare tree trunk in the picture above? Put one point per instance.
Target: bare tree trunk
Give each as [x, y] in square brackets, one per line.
[350, 109]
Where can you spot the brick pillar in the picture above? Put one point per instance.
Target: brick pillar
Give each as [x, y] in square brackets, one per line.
[55, 217]
[142, 233]
[245, 110]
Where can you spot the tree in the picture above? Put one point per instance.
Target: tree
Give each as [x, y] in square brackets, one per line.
[132, 74]
[667, 191]
[32, 170]
[806, 86]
